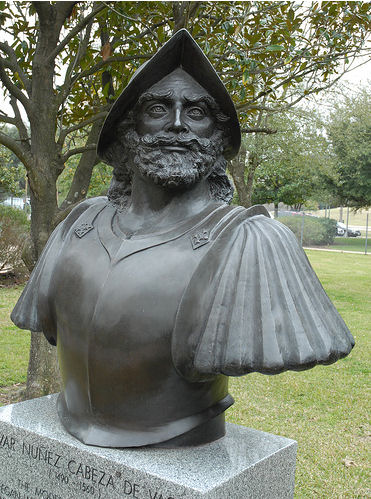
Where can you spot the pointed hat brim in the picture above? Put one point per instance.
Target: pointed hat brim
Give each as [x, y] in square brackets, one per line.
[180, 51]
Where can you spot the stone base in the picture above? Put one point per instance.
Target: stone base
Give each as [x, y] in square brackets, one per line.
[38, 458]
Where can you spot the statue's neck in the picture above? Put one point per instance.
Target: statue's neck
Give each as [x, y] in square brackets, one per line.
[155, 206]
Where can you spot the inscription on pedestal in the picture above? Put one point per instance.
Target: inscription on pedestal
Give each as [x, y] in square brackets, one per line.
[65, 471]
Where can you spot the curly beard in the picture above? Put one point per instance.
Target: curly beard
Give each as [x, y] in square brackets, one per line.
[150, 157]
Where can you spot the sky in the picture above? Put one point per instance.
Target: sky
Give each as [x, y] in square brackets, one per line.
[361, 74]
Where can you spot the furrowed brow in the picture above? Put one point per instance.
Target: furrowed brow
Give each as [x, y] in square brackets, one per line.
[147, 96]
[207, 99]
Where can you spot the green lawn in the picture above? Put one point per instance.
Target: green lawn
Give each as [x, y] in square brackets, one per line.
[14, 343]
[352, 244]
[324, 409]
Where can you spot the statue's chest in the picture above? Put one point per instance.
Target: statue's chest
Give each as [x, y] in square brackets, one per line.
[115, 316]
[134, 290]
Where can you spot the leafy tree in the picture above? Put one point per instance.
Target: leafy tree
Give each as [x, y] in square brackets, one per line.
[349, 129]
[292, 161]
[99, 181]
[309, 60]
[62, 64]
[12, 172]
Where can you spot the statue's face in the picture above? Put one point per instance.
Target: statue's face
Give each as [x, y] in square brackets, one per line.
[176, 104]
[175, 142]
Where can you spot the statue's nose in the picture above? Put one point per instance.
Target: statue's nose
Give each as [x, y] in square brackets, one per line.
[177, 124]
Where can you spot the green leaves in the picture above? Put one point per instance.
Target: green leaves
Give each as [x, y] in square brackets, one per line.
[290, 161]
[275, 48]
[12, 173]
[349, 129]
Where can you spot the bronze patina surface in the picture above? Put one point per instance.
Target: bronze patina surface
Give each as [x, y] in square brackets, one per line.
[159, 292]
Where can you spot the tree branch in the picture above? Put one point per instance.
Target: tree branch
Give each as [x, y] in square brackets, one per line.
[81, 179]
[83, 45]
[78, 150]
[81, 51]
[63, 95]
[258, 130]
[79, 27]
[14, 145]
[42, 9]
[64, 10]
[254, 107]
[13, 89]
[242, 17]
[149, 30]
[82, 124]
[15, 65]
[125, 16]
[22, 130]
[7, 119]
[109, 60]
[310, 69]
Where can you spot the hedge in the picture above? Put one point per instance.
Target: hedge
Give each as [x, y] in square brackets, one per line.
[317, 231]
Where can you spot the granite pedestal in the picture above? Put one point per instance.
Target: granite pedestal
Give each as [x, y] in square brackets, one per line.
[38, 458]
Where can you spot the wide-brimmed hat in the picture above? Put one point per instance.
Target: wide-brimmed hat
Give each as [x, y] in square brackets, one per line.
[181, 51]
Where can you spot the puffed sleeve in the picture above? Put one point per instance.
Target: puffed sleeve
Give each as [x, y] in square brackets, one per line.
[33, 311]
[255, 304]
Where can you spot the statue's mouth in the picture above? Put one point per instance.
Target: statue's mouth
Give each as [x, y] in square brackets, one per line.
[175, 148]
[181, 143]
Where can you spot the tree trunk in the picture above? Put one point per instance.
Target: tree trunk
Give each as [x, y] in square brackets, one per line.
[253, 164]
[341, 215]
[182, 13]
[43, 372]
[245, 183]
[275, 210]
[81, 180]
[237, 170]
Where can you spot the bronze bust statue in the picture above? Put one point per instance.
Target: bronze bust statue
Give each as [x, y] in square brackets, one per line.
[159, 292]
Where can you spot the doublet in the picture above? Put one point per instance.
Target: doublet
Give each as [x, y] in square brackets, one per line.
[148, 327]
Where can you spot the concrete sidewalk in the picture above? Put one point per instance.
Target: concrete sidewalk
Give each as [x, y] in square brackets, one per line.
[337, 251]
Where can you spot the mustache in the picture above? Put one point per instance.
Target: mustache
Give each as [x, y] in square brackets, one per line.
[187, 139]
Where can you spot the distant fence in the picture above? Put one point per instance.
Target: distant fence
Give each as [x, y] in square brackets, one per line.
[16, 202]
[311, 230]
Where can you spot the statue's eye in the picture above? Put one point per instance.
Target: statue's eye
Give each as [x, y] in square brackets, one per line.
[156, 110]
[196, 113]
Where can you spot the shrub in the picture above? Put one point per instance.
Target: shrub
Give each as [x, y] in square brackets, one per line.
[317, 231]
[14, 229]
[330, 227]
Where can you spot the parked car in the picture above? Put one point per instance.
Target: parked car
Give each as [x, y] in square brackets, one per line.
[341, 230]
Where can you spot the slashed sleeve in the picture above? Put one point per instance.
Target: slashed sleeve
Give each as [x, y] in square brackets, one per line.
[255, 304]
